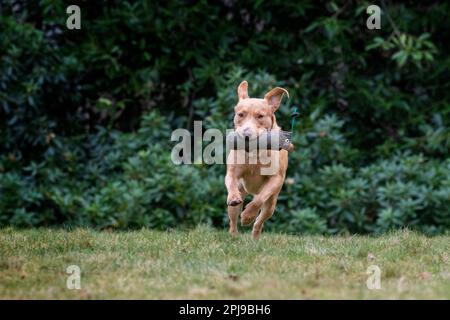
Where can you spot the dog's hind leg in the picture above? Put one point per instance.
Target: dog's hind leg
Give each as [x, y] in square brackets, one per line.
[267, 210]
[271, 188]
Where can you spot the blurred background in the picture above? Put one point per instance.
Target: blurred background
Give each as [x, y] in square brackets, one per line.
[86, 115]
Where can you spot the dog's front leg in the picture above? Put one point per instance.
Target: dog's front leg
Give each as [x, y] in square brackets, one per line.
[232, 179]
[233, 214]
[235, 211]
[231, 182]
[272, 187]
[236, 195]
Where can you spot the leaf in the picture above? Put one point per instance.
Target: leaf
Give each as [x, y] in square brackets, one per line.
[400, 57]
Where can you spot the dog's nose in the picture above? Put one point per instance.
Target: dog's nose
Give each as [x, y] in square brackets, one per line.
[247, 132]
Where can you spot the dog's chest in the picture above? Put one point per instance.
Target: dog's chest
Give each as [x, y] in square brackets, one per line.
[253, 183]
[252, 179]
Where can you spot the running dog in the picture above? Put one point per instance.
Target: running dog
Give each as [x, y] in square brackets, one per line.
[252, 118]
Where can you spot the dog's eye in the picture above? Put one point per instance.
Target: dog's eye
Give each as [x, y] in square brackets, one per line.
[260, 116]
[240, 114]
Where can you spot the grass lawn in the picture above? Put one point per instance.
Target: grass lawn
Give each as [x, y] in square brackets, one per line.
[209, 264]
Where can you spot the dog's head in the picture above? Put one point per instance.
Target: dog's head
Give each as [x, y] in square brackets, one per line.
[256, 116]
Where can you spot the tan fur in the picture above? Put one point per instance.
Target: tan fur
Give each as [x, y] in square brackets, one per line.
[252, 118]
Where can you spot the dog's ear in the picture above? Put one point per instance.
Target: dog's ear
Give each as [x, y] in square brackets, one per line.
[274, 96]
[242, 90]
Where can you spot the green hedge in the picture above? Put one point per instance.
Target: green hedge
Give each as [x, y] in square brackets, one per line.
[86, 115]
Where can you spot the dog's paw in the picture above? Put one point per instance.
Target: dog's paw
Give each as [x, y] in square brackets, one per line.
[234, 201]
[250, 213]
[256, 235]
[246, 220]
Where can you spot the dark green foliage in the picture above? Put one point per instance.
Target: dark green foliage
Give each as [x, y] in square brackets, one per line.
[86, 115]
